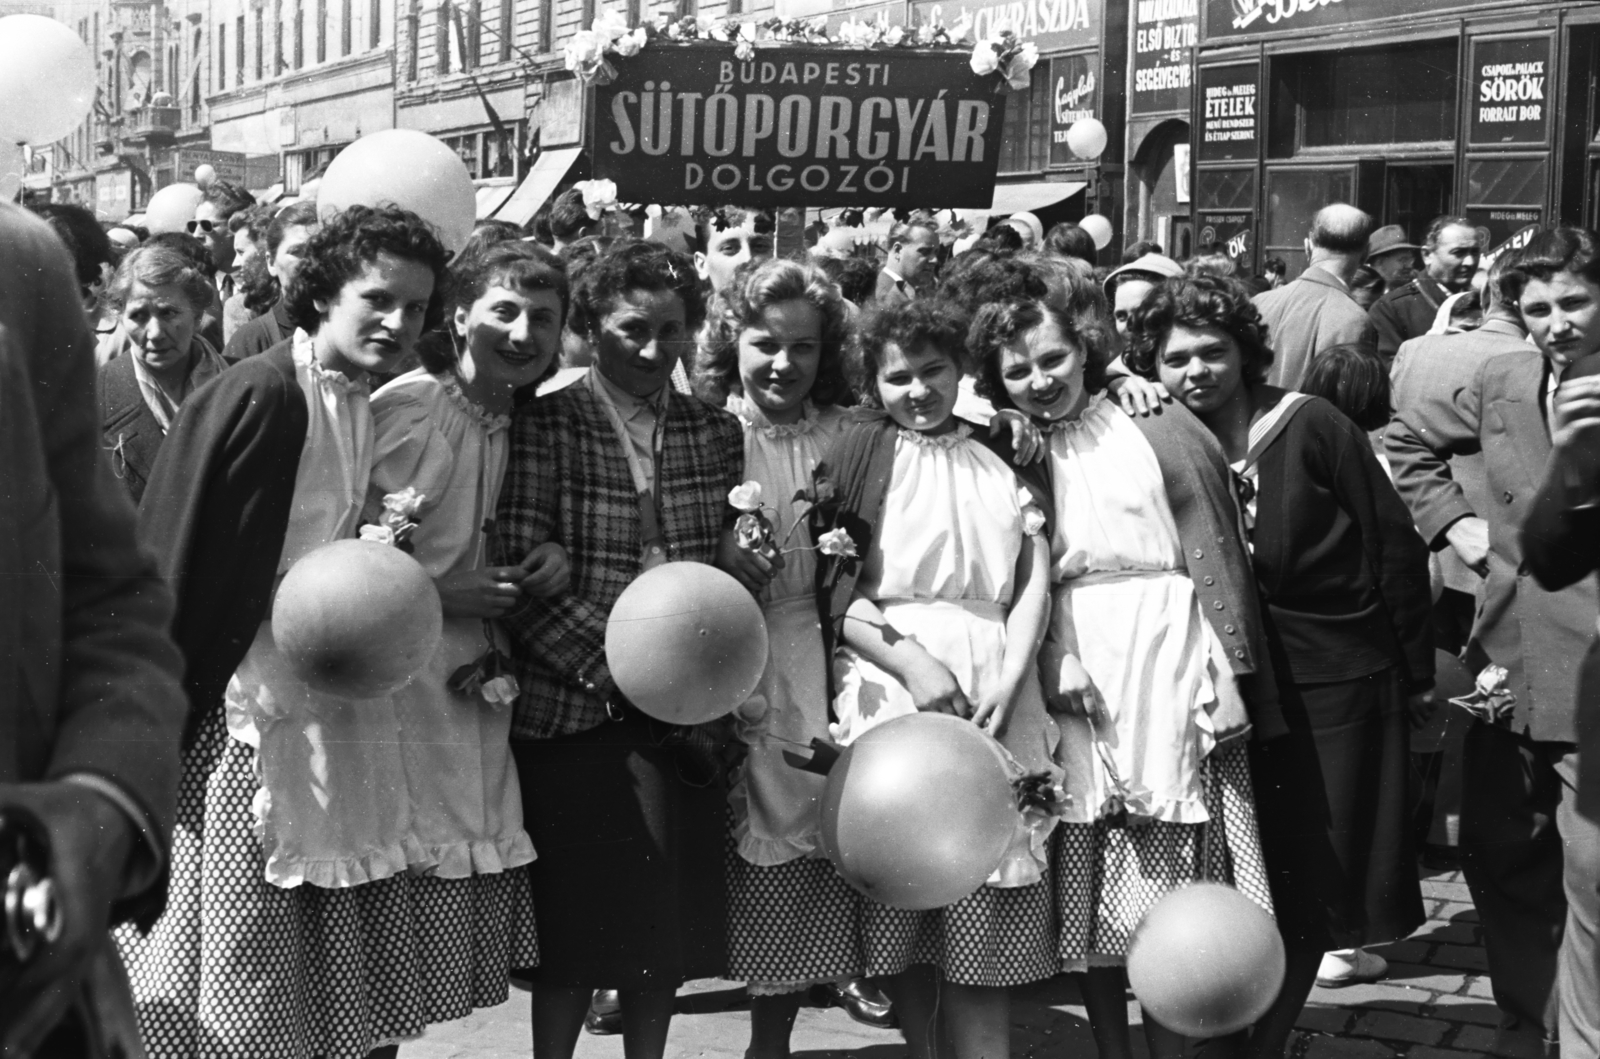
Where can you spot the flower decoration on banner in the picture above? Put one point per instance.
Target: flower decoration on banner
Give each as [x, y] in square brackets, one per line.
[599, 196]
[590, 51]
[754, 530]
[1006, 54]
[397, 521]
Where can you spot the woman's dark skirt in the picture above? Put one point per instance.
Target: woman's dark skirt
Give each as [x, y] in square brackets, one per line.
[1334, 816]
[628, 883]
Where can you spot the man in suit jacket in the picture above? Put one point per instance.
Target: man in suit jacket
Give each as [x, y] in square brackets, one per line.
[1518, 818]
[1434, 368]
[912, 245]
[90, 705]
[1450, 255]
[1316, 312]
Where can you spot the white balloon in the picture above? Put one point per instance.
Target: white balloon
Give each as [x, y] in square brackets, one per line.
[204, 174]
[1099, 230]
[12, 168]
[47, 79]
[172, 208]
[405, 168]
[1087, 138]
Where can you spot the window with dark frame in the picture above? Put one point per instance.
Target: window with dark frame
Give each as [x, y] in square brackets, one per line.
[299, 34]
[506, 29]
[261, 42]
[441, 35]
[413, 40]
[472, 47]
[375, 24]
[278, 64]
[221, 81]
[238, 52]
[322, 31]
[347, 15]
[547, 26]
[1401, 93]
[1025, 135]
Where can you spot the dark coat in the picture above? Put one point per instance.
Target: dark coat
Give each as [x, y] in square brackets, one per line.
[1406, 312]
[88, 674]
[260, 334]
[129, 430]
[1539, 636]
[216, 509]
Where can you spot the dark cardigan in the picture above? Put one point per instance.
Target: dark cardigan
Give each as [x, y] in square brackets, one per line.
[129, 430]
[1343, 570]
[216, 509]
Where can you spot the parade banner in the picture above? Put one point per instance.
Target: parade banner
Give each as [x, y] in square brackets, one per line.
[1243, 18]
[694, 125]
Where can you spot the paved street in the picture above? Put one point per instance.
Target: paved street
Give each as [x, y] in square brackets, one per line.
[1436, 1004]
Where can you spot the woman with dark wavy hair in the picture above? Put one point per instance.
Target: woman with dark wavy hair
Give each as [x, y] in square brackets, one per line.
[1345, 578]
[1154, 659]
[773, 351]
[290, 928]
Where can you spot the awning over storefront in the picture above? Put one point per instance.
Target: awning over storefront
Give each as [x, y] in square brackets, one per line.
[491, 198]
[547, 171]
[1015, 198]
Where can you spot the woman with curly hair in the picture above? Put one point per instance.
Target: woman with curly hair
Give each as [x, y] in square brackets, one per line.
[629, 814]
[1345, 578]
[773, 351]
[1153, 659]
[289, 928]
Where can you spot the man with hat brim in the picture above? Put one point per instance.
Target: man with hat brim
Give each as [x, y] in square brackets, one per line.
[1129, 284]
[1450, 254]
[1392, 257]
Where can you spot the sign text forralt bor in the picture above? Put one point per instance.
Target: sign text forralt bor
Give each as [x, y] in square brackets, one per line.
[811, 126]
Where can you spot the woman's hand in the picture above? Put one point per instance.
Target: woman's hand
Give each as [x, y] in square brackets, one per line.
[934, 689]
[1420, 708]
[995, 710]
[486, 593]
[753, 570]
[1138, 396]
[1069, 689]
[545, 572]
[1027, 444]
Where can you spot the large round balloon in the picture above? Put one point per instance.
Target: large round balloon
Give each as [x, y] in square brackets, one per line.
[47, 79]
[686, 643]
[357, 619]
[405, 168]
[1206, 961]
[918, 811]
[172, 208]
[204, 174]
[1087, 138]
[12, 169]
[1099, 229]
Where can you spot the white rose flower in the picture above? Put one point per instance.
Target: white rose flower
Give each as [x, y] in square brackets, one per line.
[608, 25]
[630, 44]
[837, 542]
[745, 496]
[985, 60]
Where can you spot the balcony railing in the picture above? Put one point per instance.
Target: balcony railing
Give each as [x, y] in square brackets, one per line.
[154, 124]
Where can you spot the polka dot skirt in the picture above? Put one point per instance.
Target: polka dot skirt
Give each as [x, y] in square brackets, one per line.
[791, 925]
[237, 968]
[995, 937]
[1107, 878]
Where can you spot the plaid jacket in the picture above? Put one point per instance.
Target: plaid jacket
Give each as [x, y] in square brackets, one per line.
[568, 481]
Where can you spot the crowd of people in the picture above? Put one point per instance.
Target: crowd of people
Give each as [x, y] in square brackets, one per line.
[1185, 543]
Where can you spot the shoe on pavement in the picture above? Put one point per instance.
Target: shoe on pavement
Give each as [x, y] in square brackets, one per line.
[862, 1001]
[605, 1013]
[1349, 967]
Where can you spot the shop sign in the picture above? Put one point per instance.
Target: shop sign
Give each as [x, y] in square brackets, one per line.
[1164, 35]
[561, 114]
[800, 126]
[1073, 97]
[1240, 18]
[1228, 118]
[1497, 225]
[244, 170]
[1510, 100]
[1051, 24]
[113, 192]
[1232, 232]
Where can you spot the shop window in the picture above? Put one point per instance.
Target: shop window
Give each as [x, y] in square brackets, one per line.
[1025, 137]
[1399, 94]
[1506, 181]
[500, 153]
[1293, 198]
[1225, 189]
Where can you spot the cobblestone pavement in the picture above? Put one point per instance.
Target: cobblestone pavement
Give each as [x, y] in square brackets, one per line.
[1435, 1004]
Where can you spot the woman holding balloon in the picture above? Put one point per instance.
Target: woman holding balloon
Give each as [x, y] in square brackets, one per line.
[773, 350]
[442, 431]
[939, 604]
[1155, 641]
[629, 817]
[289, 928]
